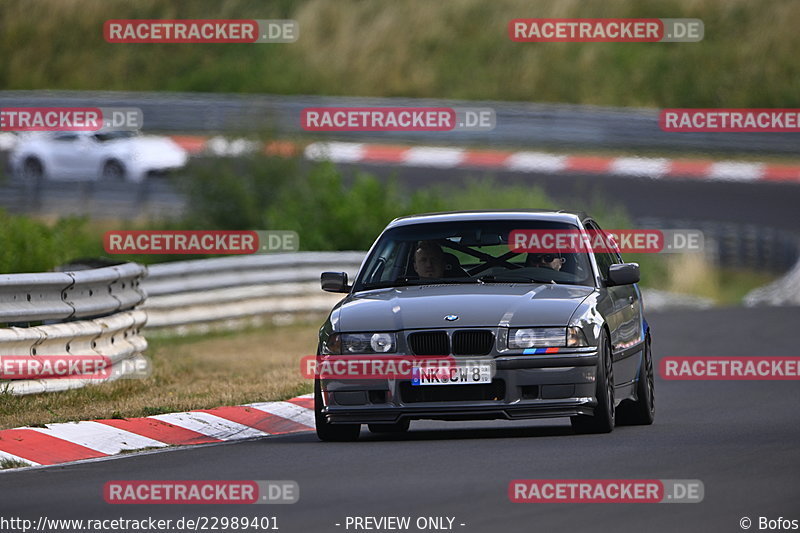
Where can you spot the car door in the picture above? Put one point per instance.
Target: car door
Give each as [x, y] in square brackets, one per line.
[63, 155]
[625, 319]
[87, 157]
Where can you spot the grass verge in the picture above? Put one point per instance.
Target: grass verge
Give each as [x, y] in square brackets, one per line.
[694, 274]
[457, 49]
[197, 372]
[7, 464]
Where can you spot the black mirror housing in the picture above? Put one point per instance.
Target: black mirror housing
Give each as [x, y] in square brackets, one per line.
[334, 282]
[624, 274]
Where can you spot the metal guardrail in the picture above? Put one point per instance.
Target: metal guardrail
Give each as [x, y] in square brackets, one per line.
[230, 293]
[70, 295]
[82, 313]
[518, 123]
[225, 293]
[739, 245]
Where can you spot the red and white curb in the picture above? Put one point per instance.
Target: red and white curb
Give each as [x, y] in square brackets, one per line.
[518, 161]
[339, 152]
[74, 441]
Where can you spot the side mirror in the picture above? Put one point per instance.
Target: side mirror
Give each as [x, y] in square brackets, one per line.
[624, 274]
[334, 282]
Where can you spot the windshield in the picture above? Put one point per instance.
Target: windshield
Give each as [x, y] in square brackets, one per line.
[468, 252]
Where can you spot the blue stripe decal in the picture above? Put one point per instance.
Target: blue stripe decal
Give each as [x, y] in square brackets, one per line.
[533, 351]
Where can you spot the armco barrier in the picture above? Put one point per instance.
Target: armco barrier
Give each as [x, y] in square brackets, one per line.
[227, 292]
[70, 295]
[81, 313]
[518, 123]
[234, 292]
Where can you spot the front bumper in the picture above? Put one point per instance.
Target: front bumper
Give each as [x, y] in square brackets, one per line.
[524, 386]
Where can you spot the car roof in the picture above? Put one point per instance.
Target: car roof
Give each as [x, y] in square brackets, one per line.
[549, 215]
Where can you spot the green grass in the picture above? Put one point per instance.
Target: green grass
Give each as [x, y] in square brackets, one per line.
[418, 48]
[6, 464]
[196, 372]
[733, 285]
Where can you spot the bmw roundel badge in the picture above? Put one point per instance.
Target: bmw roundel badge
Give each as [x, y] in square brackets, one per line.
[451, 318]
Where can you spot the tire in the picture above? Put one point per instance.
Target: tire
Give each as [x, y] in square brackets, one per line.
[32, 170]
[397, 427]
[113, 171]
[331, 432]
[642, 411]
[603, 419]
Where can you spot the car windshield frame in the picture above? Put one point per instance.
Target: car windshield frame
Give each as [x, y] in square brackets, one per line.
[397, 242]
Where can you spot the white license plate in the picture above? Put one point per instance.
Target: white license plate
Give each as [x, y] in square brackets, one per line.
[461, 374]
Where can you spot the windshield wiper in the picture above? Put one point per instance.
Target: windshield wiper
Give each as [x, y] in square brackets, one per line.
[413, 281]
[489, 278]
[400, 282]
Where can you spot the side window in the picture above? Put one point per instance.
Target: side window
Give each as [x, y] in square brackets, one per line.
[65, 137]
[604, 259]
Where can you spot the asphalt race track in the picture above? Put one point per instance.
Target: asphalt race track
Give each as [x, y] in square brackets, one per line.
[740, 438]
[772, 204]
[769, 204]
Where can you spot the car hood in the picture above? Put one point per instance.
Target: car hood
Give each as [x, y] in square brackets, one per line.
[476, 305]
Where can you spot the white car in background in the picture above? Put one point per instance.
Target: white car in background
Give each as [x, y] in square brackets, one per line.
[90, 156]
[7, 141]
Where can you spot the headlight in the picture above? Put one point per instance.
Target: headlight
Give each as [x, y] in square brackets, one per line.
[333, 345]
[575, 337]
[361, 343]
[536, 337]
[382, 342]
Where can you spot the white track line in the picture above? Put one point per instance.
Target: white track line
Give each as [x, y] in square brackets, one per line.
[433, 157]
[640, 166]
[733, 171]
[335, 152]
[535, 162]
[100, 437]
[210, 425]
[293, 412]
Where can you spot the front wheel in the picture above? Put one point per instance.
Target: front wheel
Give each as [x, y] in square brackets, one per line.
[32, 170]
[603, 419]
[642, 412]
[113, 171]
[331, 432]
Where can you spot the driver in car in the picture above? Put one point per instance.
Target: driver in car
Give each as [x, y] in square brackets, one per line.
[429, 260]
[551, 261]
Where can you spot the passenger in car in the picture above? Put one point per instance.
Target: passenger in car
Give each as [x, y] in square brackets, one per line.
[551, 261]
